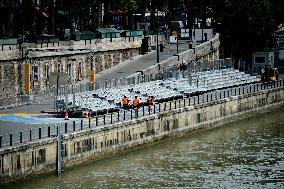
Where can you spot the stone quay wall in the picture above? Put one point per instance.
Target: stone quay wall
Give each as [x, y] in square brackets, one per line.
[24, 160]
[71, 57]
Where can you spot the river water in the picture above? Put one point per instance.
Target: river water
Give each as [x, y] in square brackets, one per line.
[245, 154]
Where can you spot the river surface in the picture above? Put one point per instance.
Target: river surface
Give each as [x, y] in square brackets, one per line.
[245, 154]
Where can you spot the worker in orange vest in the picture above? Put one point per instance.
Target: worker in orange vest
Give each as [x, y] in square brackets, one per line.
[149, 102]
[125, 102]
[136, 102]
[136, 105]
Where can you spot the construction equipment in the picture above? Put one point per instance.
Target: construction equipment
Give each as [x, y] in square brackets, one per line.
[269, 74]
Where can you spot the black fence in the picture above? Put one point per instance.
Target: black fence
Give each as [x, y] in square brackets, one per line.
[11, 139]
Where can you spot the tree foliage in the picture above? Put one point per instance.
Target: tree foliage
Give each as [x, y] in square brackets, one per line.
[246, 25]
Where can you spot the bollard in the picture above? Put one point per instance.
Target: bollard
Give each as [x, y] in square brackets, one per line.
[118, 116]
[198, 99]
[175, 104]
[65, 128]
[131, 114]
[165, 107]
[193, 100]
[143, 110]
[111, 118]
[239, 91]
[189, 101]
[48, 131]
[224, 94]
[256, 87]
[30, 135]
[159, 107]
[89, 122]
[0, 141]
[11, 139]
[220, 94]
[81, 124]
[137, 113]
[97, 120]
[74, 126]
[104, 119]
[228, 92]
[21, 137]
[39, 133]
[124, 115]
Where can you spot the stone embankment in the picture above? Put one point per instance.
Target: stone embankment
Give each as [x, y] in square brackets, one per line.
[98, 142]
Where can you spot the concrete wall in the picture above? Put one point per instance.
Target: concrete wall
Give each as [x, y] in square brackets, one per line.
[207, 52]
[39, 157]
[68, 53]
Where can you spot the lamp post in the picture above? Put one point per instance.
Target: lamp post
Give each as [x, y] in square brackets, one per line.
[158, 58]
[92, 70]
[53, 13]
[177, 43]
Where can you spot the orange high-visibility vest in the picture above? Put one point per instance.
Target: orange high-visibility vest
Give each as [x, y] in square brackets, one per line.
[149, 100]
[125, 101]
[135, 102]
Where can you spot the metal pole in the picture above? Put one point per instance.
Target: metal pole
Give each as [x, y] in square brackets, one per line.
[177, 44]
[59, 164]
[158, 58]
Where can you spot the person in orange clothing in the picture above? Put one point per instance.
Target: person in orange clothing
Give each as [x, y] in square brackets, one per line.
[149, 102]
[135, 102]
[125, 102]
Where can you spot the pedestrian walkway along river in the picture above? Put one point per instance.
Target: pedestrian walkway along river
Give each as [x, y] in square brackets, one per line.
[245, 154]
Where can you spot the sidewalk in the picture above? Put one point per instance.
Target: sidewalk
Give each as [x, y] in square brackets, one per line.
[121, 70]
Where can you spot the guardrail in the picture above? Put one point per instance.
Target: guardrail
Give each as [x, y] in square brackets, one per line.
[16, 138]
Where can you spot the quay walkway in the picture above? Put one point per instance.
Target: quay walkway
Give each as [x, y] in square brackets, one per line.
[102, 121]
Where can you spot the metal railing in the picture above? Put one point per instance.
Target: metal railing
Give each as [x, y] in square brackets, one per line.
[103, 120]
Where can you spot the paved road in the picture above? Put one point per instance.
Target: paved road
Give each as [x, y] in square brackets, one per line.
[140, 62]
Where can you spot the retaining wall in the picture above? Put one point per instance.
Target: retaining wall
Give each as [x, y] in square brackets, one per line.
[98, 142]
[208, 51]
[72, 57]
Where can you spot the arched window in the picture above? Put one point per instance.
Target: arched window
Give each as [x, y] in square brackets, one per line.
[47, 71]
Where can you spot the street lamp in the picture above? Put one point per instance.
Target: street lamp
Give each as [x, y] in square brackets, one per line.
[158, 58]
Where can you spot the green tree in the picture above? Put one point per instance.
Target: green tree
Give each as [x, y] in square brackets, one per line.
[246, 25]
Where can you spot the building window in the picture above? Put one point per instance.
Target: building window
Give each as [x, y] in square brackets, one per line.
[79, 76]
[59, 68]
[46, 71]
[69, 70]
[35, 73]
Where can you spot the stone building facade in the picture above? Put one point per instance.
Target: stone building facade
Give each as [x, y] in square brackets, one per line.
[73, 59]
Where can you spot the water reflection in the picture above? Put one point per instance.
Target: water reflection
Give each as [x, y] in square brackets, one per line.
[246, 154]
